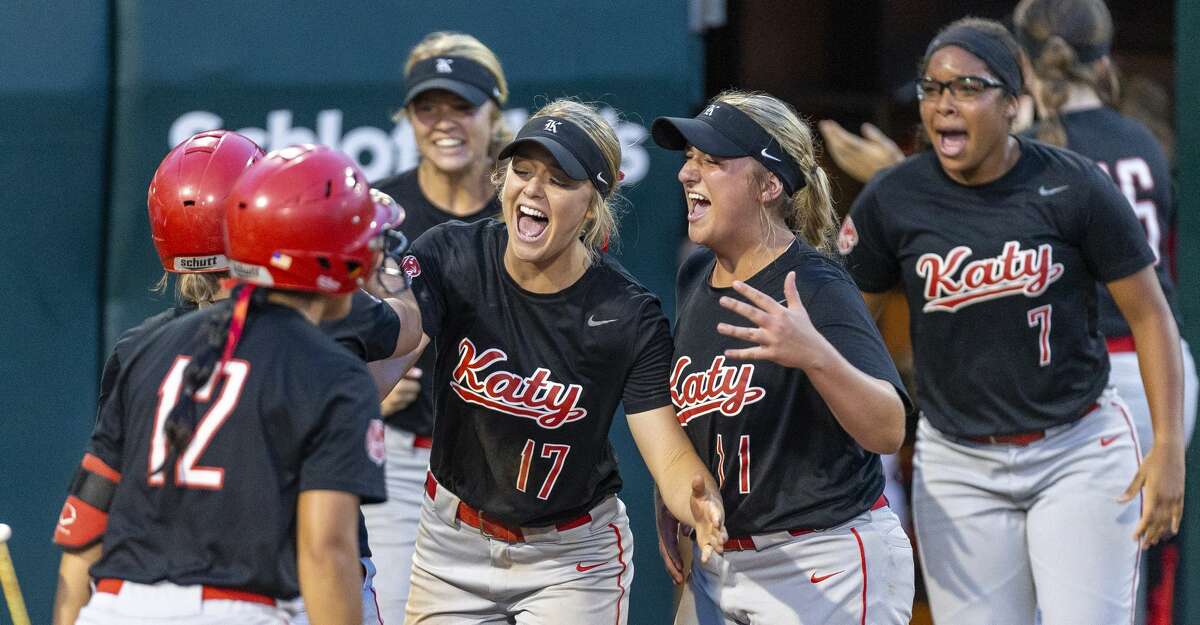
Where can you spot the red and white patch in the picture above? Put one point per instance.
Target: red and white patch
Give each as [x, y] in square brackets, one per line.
[847, 237]
[411, 266]
[376, 450]
[1013, 272]
[550, 404]
[716, 389]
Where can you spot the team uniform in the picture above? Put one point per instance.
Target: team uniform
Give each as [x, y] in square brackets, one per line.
[521, 521]
[812, 540]
[1128, 152]
[393, 525]
[1021, 451]
[290, 411]
[123, 348]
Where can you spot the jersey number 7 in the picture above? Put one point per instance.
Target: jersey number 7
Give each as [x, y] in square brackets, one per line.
[187, 474]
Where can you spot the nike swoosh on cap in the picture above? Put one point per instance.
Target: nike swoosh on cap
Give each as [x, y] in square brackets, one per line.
[768, 155]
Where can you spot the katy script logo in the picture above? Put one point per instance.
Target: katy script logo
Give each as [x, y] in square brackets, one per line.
[379, 152]
[551, 404]
[1014, 271]
[716, 389]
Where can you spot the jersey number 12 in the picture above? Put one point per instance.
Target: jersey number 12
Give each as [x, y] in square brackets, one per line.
[187, 474]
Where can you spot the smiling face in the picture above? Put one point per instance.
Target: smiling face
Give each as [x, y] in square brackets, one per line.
[969, 137]
[722, 199]
[544, 208]
[451, 134]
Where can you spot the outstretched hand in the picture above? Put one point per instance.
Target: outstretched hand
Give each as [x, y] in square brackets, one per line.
[860, 157]
[709, 514]
[784, 334]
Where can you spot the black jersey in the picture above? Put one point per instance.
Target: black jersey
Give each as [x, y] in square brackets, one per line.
[125, 344]
[1001, 283]
[370, 332]
[421, 215]
[1128, 152]
[780, 456]
[526, 384]
[291, 411]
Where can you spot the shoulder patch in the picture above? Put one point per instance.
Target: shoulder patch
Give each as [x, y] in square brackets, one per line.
[376, 450]
[411, 266]
[847, 237]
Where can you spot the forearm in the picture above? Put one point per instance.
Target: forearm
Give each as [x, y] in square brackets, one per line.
[74, 584]
[331, 584]
[672, 461]
[405, 305]
[869, 409]
[386, 373]
[1161, 366]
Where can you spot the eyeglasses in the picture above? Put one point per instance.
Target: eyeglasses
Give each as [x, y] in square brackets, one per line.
[962, 88]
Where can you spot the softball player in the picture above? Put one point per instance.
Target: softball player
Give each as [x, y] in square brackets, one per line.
[183, 217]
[455, 90]
[792, 438]
[1072, 80]
[1027, 470]
[538, 337]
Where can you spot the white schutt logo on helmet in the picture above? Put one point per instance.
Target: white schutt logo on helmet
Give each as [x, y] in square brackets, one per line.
[717, 389]
[1014, 271]
[551, 404]
[847, 237]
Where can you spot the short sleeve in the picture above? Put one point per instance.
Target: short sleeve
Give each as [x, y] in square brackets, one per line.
[345, 450]
[1114, 244]
[839, 313]
[108, 435]
[108, 380]
[869, 257]
[370, 330]
[424, 266]
[647, 386]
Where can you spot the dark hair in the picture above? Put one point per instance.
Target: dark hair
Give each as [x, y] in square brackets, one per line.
[980, 37]
[222, 333]
[1063, 39]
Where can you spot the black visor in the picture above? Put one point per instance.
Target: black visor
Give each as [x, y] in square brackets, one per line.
[723, 130]
[456, 74]
[577, 155]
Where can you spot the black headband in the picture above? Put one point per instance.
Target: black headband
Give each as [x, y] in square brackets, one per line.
[1084, 52]
[457, 74]
[988, 47]
[576, 153]
[722, 129]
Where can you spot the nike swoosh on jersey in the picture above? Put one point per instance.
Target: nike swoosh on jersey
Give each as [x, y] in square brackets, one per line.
[585, 568]
[818, 579]
[593, 323]
[1044, 192]
[764, 153]
[1105, 441]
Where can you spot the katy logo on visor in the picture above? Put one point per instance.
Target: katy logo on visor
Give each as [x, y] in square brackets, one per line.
[443, 66]
[551, 126]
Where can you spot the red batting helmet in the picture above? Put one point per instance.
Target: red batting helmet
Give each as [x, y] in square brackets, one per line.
[186, 199]
[303, 219]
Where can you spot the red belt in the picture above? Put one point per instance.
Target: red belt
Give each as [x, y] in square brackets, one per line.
[746, 543]
[111, 586]
[424, 442]
[1020, 439]
[495, 529]
[1120, 344]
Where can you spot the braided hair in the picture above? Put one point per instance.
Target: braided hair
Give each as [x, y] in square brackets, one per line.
[223, 331]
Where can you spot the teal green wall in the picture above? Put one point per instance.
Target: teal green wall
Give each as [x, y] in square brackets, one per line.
[92, 94]
[1187, 146]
